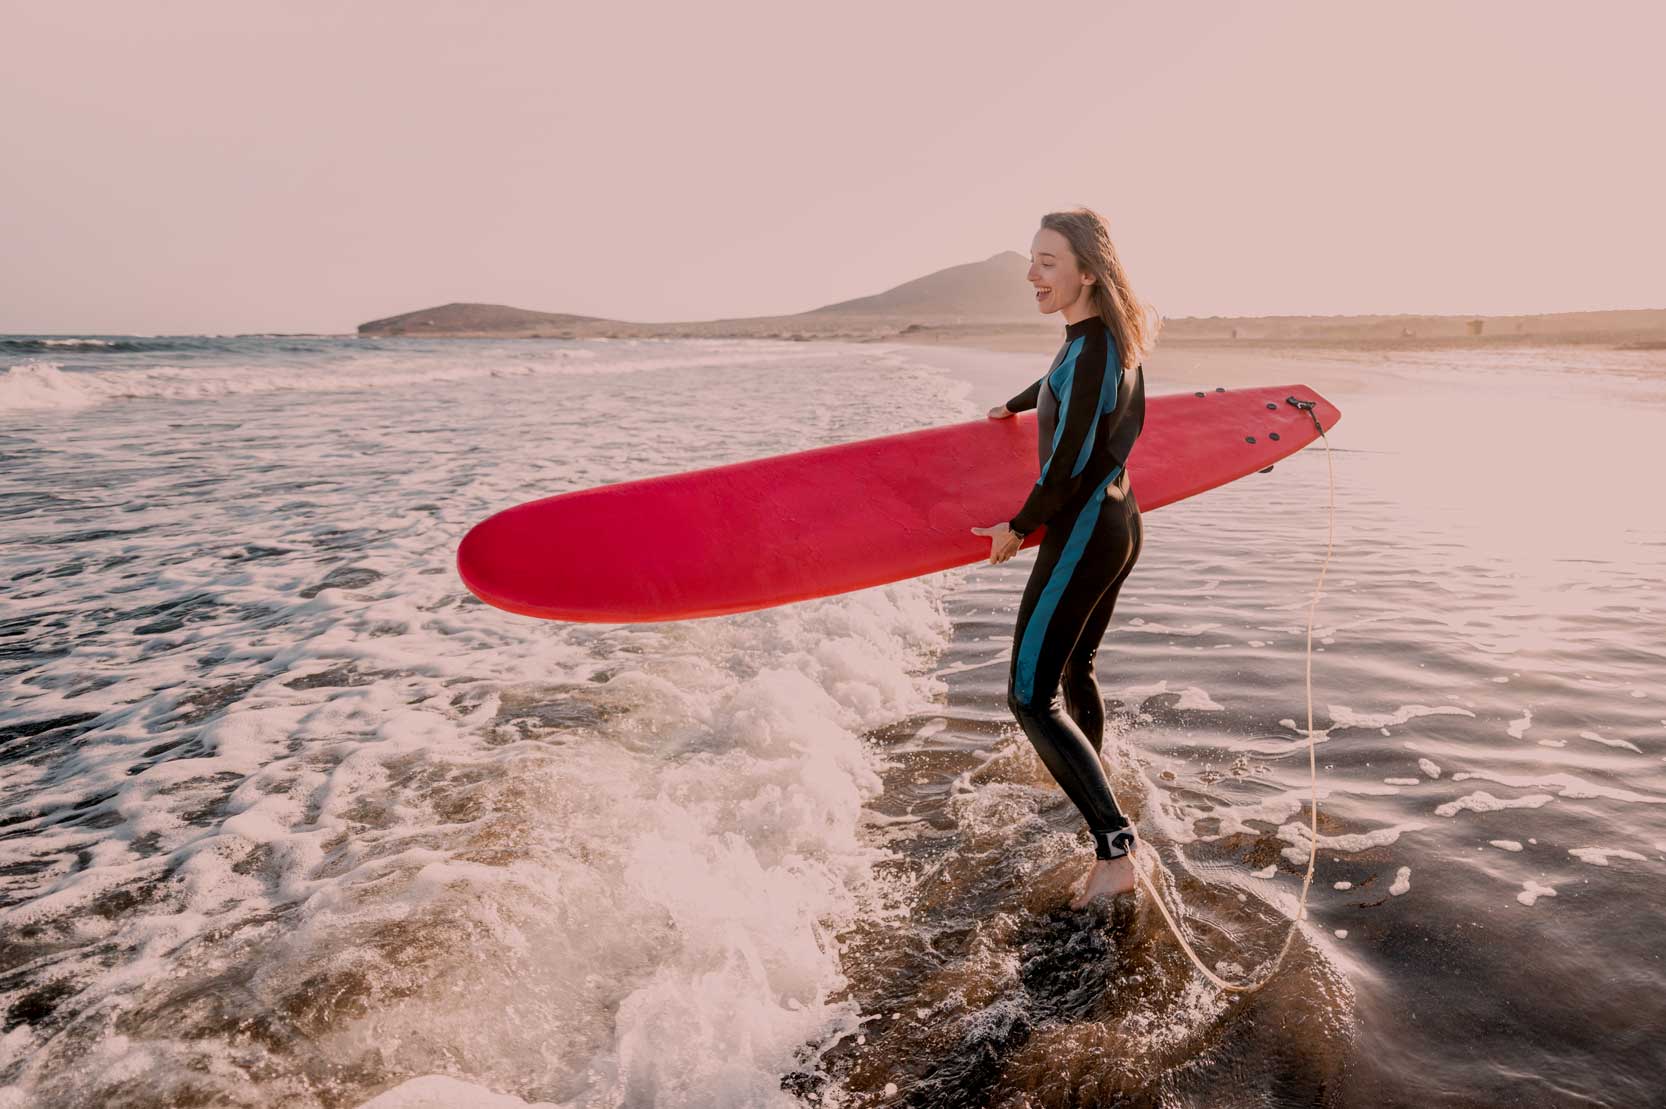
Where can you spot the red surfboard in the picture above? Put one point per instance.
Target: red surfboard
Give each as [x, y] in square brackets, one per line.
[770, 531]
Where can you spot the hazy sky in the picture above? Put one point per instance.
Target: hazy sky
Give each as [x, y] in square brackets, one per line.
[215, 167]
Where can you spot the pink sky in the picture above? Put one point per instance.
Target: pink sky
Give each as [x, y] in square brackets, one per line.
[213, 167]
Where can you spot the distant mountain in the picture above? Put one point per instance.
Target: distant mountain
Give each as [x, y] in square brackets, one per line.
[474, 320]
[994, 290]
[969, 302]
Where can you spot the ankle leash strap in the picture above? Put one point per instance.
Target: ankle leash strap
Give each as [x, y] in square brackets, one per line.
[1112, 845]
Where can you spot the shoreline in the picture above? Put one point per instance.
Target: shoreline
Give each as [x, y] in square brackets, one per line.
[1004, 364]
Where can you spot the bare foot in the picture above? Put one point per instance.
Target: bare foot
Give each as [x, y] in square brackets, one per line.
[1108, 878]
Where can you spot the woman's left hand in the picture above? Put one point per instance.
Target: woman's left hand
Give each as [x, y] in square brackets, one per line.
[1003, 542]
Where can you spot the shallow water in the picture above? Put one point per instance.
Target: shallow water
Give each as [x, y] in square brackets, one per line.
[286, 817]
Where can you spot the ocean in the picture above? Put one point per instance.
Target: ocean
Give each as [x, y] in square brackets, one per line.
[288, 818]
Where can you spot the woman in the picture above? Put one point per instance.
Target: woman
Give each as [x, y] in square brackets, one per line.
[1089, 412]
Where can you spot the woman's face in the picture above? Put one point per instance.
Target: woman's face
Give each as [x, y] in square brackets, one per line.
[1053, 272]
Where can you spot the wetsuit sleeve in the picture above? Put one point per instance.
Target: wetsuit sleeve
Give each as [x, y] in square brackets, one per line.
[1073, 440]
[1025, 401]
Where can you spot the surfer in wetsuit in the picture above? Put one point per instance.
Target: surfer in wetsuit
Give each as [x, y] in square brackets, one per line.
[1089, 411]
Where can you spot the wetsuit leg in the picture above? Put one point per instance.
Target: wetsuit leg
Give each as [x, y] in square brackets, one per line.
[1079, 558]
[1082, 698]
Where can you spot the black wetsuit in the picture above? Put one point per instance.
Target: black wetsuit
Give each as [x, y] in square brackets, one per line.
[1088, 415]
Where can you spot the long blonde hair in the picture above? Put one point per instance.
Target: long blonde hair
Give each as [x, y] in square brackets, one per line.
[1133, 323]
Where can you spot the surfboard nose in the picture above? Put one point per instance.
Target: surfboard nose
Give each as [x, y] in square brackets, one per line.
[478, 563]
[612, 554]
[510, 563]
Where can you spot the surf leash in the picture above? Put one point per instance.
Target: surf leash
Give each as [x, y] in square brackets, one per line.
[1312, 761]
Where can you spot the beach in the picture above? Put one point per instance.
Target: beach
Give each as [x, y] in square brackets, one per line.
[287, 817]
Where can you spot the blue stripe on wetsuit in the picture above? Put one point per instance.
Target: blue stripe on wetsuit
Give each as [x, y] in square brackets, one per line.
[1108, 386]
[1066, 368]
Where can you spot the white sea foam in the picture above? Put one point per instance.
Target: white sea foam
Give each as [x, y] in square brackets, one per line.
[1300, 836]
[1595, 738]
[1345, 717]
[42, 385]
[438, 1091]
[1571, 785]
[1599, 856]
[45, 384]
[1141, 625]
[602, 858]
[1190, 697]
[1482, 801]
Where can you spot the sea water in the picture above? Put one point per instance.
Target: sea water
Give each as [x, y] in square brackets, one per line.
[288, 818]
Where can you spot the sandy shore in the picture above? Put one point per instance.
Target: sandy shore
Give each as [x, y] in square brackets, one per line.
[1000, 362]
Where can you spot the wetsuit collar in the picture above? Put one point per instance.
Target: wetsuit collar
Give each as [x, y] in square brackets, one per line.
[1082, 327]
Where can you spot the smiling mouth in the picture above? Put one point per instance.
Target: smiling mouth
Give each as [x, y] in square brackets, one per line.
[1041, 294]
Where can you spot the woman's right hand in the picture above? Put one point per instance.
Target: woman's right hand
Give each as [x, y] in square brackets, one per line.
[1003, 541]
[999, 412]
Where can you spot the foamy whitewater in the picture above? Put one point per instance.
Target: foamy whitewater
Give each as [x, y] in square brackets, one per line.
[288, 818]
